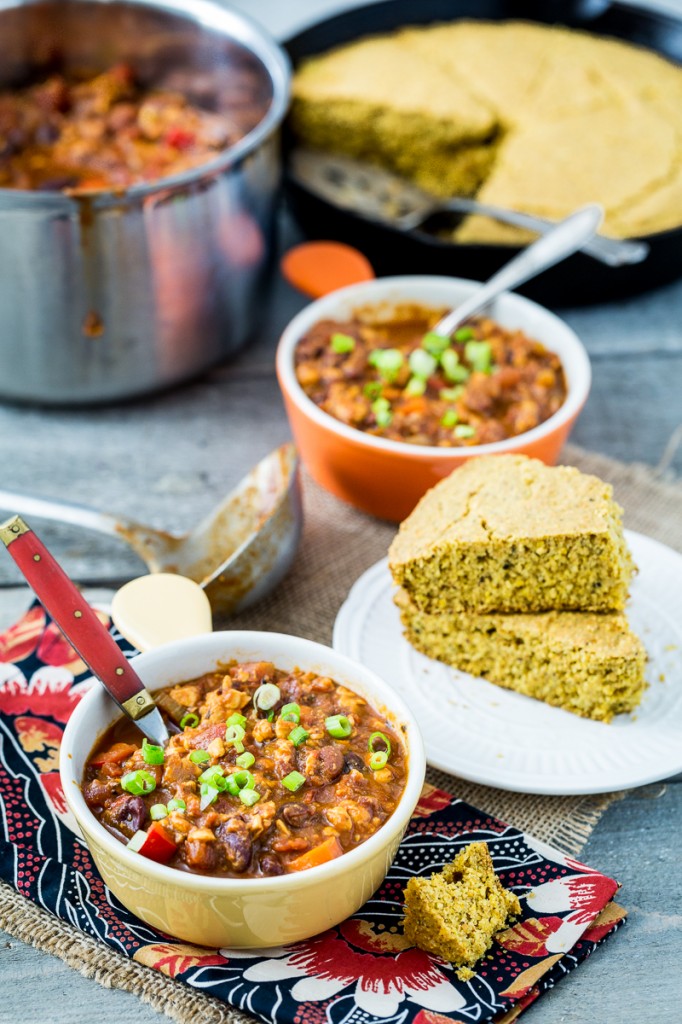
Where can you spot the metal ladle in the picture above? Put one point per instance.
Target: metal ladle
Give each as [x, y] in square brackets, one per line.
[237, 553]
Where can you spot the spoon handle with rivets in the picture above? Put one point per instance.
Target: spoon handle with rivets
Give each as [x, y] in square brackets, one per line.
[80, 625]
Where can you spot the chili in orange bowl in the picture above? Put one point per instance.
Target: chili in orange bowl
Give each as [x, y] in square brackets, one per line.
[381, 412]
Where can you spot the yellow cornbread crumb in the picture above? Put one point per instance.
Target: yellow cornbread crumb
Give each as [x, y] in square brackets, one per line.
[456, 912]
[507, 533]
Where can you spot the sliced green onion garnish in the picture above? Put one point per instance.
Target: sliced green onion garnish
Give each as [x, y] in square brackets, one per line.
[451, 394]
[388, 362]
[209, 795]
[449, 418]
[452, 368]
[422, 364]
[215, 771]
[291, 713]
[236, 719]
[435, 344]
[378, 760]
[415, 386]
[231, 786]
[342, 343]
[246, 759]
[298, 735]
[249, 797]
[385, 743]
[199, 756]
[190, 720]
[151, 754]
[244, 780]
[293, 781]
[138, 782]
[338, 726]
[479, 355]
[373, 388]
[381, 407]
[157, 812]
[266, 696]
[176, 805]
[464, 430]
[234, 734]
[464, 334]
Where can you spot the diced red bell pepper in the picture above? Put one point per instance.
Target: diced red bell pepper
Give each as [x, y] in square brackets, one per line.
[116, 754]
[181, 138]
[155, 843]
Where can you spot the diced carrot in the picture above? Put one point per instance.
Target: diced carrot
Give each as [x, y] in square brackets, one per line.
[119, 752]
[327, 850]
[416, 404]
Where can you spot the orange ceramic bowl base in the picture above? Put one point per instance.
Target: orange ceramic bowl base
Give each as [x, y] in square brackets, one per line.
[384, 484]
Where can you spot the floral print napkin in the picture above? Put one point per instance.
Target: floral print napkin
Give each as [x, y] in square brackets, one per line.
[360, 972]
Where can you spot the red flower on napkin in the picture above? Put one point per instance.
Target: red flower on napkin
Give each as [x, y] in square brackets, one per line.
[384, 968]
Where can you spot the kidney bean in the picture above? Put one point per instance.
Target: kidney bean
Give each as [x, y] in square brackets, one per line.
[97, 791]
[297, 815]
[238, 848]
[353, 761]
[126, 813]
[270, 864]
[324, 765]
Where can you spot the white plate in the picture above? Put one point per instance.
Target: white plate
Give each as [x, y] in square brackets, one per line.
[483, 733]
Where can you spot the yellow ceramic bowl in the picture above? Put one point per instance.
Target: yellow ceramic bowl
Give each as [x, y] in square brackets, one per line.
[387, 478]
[252, 911]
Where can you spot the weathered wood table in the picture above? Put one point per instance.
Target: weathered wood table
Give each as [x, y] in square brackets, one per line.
[171, 457]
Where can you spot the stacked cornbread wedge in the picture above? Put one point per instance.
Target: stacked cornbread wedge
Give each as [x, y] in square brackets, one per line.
[519, 573]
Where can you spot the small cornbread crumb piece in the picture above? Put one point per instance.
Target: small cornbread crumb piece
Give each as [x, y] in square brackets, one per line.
[583, 662]
[506, 533]
[456, 912]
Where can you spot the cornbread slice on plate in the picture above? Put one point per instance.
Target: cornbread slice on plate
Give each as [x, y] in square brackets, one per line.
[456, 912]
[583, 662]
[506, 533]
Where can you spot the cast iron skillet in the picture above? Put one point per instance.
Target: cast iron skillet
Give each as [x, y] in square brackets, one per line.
[578, 280]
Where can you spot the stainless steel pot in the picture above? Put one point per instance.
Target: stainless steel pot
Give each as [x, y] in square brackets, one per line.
[109, 296]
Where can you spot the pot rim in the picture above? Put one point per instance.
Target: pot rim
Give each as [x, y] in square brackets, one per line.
[221, 20]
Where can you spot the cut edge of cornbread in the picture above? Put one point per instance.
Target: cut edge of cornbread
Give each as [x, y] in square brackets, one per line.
[589, 664]
[456, 912]
[507, 533]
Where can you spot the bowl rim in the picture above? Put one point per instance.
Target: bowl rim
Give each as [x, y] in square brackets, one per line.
[310, 651]
[212, 16]
[578, 361]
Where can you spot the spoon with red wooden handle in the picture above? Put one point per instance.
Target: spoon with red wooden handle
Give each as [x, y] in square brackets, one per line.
[79, 624]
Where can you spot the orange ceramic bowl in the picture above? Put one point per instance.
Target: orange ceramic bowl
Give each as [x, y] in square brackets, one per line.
[387, 478]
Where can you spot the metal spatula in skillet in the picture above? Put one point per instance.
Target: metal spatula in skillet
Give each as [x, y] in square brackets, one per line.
[79, 624]
[380, 195]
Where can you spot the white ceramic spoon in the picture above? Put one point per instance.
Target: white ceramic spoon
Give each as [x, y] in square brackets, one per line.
[155, 609]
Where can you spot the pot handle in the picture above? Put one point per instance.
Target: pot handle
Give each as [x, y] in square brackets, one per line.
[318, 268]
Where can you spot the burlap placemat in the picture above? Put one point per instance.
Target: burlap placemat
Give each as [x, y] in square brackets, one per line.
[338, 545]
